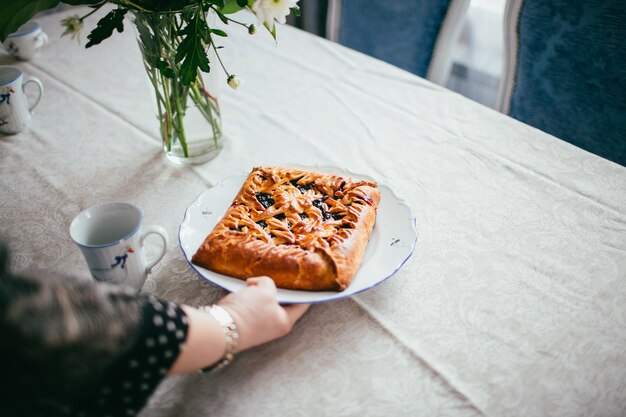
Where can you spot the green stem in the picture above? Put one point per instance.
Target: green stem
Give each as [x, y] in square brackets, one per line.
[168, 135]
[218, 55]
[95, 9]
[152, 74]
[131, 4]
[178, 95]
[205, 108]
[230, 19]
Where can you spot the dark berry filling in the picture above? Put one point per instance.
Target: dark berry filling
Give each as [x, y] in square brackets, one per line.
[336, 216]
[302, 188]
[321, 205]
[280, 216]
[265, 199]
[262, 223]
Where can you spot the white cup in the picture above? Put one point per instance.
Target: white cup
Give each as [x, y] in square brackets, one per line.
[27, 41]
[15, 111]
[111, 237]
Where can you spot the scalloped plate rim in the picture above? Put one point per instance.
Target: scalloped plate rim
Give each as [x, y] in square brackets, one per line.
[286, 296]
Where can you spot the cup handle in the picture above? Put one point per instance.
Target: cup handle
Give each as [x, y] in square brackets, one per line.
[157, 230]
[41, 40]
[39, 86]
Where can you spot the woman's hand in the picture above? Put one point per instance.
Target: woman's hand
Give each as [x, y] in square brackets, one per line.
[257, 314]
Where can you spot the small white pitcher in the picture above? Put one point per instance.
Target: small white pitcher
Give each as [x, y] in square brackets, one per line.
[15, 111]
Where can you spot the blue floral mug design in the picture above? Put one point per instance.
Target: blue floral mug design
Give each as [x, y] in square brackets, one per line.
[111, 237]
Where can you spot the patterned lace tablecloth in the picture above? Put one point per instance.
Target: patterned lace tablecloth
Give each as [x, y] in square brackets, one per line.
[514, 302]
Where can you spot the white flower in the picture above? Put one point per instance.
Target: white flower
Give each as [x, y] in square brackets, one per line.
[269, 10]
[73, 26]
[233, 81]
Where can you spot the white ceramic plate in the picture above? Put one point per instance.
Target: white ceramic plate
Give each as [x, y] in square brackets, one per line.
[392, 242]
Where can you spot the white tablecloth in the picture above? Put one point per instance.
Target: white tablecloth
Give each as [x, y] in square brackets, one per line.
[513, 304]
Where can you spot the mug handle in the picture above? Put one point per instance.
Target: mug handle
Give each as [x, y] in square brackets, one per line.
[39, 86]
[42, 40]
[156, 230]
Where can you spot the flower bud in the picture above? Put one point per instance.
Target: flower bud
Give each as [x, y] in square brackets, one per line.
[233, 81]
[252, 29]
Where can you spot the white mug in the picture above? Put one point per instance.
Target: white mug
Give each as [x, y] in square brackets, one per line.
[111, 237]
[15, 111]
[27, 41]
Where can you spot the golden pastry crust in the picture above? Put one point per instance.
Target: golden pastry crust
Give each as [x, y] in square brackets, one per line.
[306, 230]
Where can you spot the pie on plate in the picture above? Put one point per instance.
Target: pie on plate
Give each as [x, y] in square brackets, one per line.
[306, 230]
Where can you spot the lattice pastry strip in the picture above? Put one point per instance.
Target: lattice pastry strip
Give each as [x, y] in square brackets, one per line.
[304, 229]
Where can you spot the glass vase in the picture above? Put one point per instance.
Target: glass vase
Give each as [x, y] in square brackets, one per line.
[189, 115]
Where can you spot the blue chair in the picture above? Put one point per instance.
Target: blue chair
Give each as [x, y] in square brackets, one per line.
[565, 71]
[415, 35]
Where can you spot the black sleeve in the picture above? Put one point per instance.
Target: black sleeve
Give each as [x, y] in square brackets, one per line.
[132, 378]
[71, 347]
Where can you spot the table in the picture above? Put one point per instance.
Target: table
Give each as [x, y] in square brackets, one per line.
[514, 302]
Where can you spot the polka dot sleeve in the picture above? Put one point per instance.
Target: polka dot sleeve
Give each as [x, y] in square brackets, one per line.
[136, 374]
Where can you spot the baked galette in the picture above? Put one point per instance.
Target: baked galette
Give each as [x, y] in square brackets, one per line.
[306, 230]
